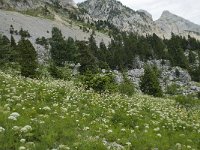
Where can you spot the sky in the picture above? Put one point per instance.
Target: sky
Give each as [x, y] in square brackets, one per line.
[188, 9]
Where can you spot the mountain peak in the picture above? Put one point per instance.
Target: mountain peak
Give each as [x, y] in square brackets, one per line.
[167, 14]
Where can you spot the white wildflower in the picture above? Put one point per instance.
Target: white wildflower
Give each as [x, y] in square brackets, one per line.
[128, 143]
[63, 147]
[23, 140]
[22, 148]
[110, 131]
[46, 108]
[86, 128]
[26, 129]
[12, 118]
[178, 146]
[2, 129]
[15, 128]
[189, 147]
[15, 114]
[159, 135]
[123, 130]
[157, 129]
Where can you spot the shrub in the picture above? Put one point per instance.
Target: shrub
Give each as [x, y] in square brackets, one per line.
[64, 73]
[187, 101]
[99, 82]
[198, 95]
[149, 83]
[127, 88]
[172, 89]
[27, 58]
[42, 41]
[24, 33]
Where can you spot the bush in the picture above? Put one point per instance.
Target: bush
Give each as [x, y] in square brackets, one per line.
[127, 88]
[172, 89]
[24, 33]
[198, 95]
[150, 84]
[187, 101]
[42, 41]
[64, 73]
[99, 82]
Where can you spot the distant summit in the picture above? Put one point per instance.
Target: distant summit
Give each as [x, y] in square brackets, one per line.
[169, 22]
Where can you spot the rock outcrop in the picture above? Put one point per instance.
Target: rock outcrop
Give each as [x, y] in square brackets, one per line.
[32, 4]
[169, 22]
[121, 16]
[139, 21]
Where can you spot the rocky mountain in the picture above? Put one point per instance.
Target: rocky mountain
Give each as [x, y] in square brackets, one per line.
[140, 21]
[121, 16]
[169, 22]
[32, 4]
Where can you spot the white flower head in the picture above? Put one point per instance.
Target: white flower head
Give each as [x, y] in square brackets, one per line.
[110, 131]
[2, 129]
[15, 114]
[26, 129]
[46, 108]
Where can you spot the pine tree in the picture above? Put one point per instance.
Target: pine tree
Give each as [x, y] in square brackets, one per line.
[12, 42]
[86, 58]
[92, 44]
[58, 49]
[28, 58]
[72, 53]
[149, 83]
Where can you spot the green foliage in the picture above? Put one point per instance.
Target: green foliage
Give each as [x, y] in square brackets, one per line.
[27, 58]
[88, 61]
[198, 95]
[58, 47]
[172, 89]
[64, 73]
[99, 82]
[42, 41]
[149, 83]
[64, 116]
[126, 87]
[24, 33]
[192, 57]
[187, 101]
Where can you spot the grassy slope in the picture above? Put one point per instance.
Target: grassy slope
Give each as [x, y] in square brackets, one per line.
[63, 116]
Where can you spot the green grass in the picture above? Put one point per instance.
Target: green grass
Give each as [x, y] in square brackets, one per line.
[64, 116]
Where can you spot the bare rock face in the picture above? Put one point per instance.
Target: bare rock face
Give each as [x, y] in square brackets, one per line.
[169, 22]
[121, 16]
[139, 21]
[32, 4]
[67, 3]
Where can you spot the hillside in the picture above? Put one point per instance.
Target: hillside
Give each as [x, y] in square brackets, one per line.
[169, 22]
[141, 22]
[56, 114]
[121, 16]
[38, 27]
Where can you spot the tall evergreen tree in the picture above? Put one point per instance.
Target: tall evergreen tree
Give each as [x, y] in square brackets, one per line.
[72, 52]
[86, 58]
[58, 49]
[149, 83]
[92, 44]
[28, 58]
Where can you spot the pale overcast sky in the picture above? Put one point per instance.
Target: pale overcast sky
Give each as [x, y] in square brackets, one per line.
[188, 9]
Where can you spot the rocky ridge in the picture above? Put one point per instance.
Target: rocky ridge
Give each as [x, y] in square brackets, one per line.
[121, 16]
[169, 22]
[140, 21]
[32, 4]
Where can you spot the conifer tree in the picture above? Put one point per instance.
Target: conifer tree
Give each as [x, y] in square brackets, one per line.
[149, 83]
[58, 49]
[28, 58]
